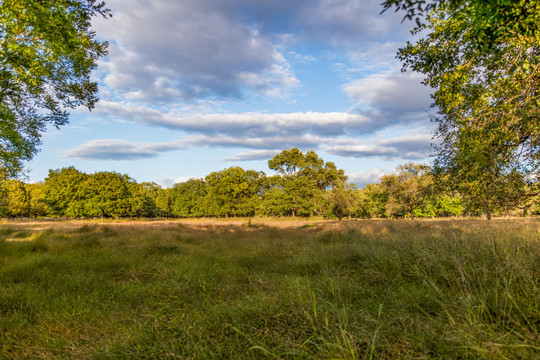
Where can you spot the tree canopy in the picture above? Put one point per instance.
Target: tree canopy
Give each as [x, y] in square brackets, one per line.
[482, 60]
[491, 20]
[47, 53]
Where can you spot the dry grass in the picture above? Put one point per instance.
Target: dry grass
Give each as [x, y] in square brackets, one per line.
[267, 288]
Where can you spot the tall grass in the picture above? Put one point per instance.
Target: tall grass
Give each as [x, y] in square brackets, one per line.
[256, 290]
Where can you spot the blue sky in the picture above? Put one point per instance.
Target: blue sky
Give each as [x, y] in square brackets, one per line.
[195, 86]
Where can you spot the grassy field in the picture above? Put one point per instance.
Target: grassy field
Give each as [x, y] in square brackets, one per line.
[261, 289]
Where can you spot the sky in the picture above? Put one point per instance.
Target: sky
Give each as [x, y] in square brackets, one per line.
[195, 86]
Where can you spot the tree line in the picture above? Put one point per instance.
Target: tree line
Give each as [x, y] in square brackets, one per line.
[304, 185]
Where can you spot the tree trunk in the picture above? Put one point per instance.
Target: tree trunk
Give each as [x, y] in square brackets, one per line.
[488, 215]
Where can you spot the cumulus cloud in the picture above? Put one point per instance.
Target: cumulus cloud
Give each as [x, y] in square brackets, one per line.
[348, 23]
[167, 56]
[169, 51]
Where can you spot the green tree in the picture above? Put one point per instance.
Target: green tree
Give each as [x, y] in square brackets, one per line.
[37, 202]
[407, 189]
[187, 199]
[343, 200]
[143, 199]
[3, 195]
[64, 192]
[275, 201]
[372, 200]
[482, 60]
[163, 202]
[490, 20]
[304, 178]
[18, 199]
[294, 163]
[47, 53]
[106, 194]
[234, 191]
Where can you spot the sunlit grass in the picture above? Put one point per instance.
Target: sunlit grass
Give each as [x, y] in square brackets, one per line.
[250, 289]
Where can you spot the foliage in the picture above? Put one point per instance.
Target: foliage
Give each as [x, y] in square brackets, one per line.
[491, 20]
[441, 205]
[304, 177]
[293, 164]
[64, 192]
[37, 205]
[144, 199]
[483, 61]
[233, 192]
[18, 202]
[106, 194]
[343, 201]
[372, 201]
[163, 202]
[188, 198]
[407, 189]
[47, 53]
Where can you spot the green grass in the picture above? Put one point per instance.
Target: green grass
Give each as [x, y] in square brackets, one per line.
[263, 290]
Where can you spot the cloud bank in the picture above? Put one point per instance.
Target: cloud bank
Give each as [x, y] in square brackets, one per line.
[168, 57]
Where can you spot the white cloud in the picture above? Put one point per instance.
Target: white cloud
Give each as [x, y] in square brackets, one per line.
[172, 63]
[391, 97]
[256, 124]
[114, 149]
[348, 23]
[400, 148]
[169, 182]
[172, 51]
[368, 177]
[253, 155]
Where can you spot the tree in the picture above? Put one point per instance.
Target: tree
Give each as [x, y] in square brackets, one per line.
[143, 199]
[163, 202]
[294, 163]
[343, 200]
[491, 19]
[482, 59]
[18, 200]
[37, 203]
[64, 192]
[407, 189]
[187, 199]
[303, 179]
[47, 53]
[275, 202]
[234, 191]
[106, 194]
[372, 200]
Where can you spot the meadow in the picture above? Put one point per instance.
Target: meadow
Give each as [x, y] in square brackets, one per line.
[269, 289]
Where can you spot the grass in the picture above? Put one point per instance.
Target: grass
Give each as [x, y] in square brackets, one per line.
[270, 290]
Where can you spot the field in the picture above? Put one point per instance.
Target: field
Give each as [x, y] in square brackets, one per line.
[267, 289]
